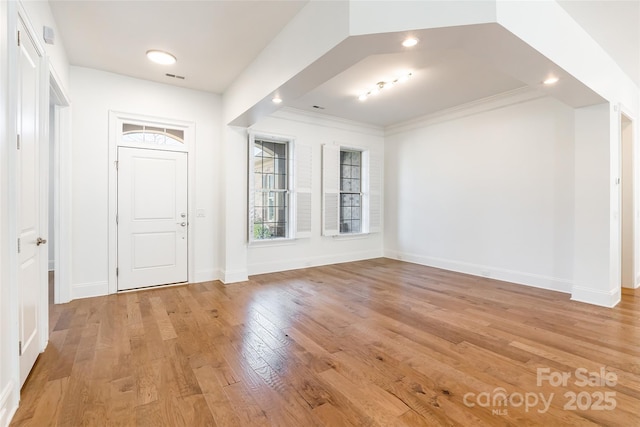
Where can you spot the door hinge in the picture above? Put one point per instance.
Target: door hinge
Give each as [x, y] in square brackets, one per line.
[116, 162]
[18, 141]
[117, 271]
[19, 348]
[18, 38]
[116, 218]
[18, 245]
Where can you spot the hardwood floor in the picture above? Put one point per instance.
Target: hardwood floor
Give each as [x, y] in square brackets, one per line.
[372, 343]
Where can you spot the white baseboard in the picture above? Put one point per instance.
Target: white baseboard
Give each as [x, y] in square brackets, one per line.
[88, 290]
[602, 298]
[521, 278]
[234, 276]
[8, 403]
[298, 263]
[206, 276]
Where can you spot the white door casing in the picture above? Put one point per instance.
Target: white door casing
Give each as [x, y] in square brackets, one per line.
[118, 121]
[152, 217]
[31, 268]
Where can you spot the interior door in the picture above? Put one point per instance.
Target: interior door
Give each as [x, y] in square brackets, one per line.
[152, 218]
[31, 274]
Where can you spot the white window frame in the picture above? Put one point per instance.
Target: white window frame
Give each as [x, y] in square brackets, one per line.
[299, 181]
[370, 190]
[363, 192]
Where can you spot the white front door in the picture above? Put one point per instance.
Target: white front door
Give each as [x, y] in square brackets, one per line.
[31, 274]
[152, 218]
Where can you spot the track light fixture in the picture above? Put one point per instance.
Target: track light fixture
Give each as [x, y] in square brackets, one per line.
[384, 85]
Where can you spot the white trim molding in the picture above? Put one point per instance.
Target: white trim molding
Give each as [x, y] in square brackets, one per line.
[116, 119]
[306, 262]
[88, 290]
[326, 120]
[602, 298]
[491, 103]
[516, 277]
[7, 407]
[207, 276]
[234, 276]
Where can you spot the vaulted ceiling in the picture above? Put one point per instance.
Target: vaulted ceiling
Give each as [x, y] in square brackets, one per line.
[215, 40]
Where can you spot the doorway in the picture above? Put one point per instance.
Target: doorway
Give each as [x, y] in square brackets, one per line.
[150, 205]
[59, 181]
[628, 224]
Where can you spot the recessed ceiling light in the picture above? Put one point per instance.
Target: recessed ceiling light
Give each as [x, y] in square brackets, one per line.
[276, 100]
[410, 42]
[551, 80]
[160, 57]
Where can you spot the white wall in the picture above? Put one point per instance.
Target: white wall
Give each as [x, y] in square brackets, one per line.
[629, 191]
[234, 225]
[52, 165]
[94, 94]
[368, 17]
[39, 13]
[597, 241]
[488, 191]
[315, 131]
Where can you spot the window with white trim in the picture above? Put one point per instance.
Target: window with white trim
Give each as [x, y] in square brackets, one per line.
[136, 133]
[279, 188]
[351, 183]
[350, 191]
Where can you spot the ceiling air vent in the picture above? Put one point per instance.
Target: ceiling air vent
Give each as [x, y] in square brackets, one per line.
[173, 76]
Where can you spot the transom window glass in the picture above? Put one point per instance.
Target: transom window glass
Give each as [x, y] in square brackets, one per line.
[350, 191]
[271, 189]
[152, 135]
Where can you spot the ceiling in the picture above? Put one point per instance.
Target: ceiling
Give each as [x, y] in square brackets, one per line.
[441, 79]
[215, 40]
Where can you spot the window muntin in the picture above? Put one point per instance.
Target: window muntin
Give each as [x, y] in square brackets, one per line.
[271, 189]
[350, 191]
[134, 133]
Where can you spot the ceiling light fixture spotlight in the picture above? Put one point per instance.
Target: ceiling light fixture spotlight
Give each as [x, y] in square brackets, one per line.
[551, 81]
[410, 42]
[276, 100]
[161, 57]
[381, 85]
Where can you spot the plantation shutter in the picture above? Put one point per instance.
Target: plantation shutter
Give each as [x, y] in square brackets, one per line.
[250, 192]
[375, 191]
[330, 190]
[303, 184]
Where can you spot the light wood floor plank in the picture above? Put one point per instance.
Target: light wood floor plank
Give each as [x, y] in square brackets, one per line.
[370, 343]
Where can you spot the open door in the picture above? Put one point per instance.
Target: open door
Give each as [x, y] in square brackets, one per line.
[32, 274]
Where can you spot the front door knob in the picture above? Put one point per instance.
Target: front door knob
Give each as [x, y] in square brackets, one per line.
[40, 241]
